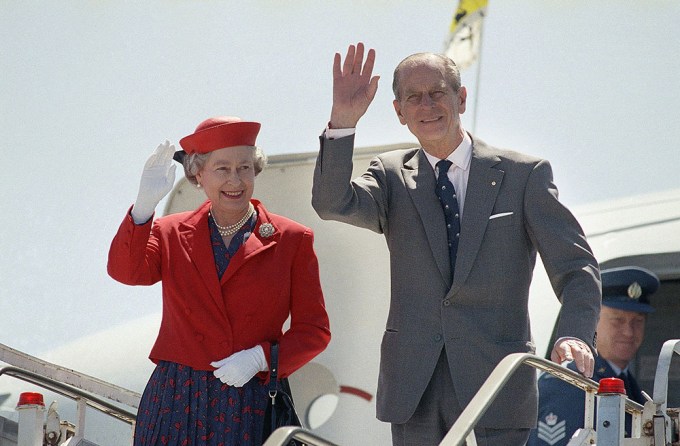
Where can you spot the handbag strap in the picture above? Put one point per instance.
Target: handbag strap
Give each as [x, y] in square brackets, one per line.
[273, 370]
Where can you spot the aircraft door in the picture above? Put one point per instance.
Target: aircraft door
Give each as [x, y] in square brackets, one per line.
[662, 325]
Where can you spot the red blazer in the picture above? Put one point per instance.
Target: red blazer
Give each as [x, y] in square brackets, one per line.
[206, 319]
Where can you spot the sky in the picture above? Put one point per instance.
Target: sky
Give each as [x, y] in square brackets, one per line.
[88, 89]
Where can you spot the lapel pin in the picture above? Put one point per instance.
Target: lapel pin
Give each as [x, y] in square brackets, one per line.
[493, 183]
[266, 230]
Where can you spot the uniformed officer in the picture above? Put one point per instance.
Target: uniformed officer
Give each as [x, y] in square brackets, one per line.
[625, 305]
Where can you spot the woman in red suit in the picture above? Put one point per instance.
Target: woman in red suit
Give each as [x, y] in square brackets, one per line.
[232, 274]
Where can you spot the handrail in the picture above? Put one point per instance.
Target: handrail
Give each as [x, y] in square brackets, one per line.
[463, 427]
[662, 371]
[283, 435]
[497, 379]
[71, 392]
[457, 435]
[85, 390]
[662, 429]
[61, 374]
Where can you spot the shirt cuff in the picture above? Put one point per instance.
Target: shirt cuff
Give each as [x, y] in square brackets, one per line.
[330, 133]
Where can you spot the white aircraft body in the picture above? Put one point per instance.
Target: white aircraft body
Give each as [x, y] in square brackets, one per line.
[335, 393]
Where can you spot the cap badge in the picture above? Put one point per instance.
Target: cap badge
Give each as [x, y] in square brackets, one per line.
[266, 230]
[634, 291]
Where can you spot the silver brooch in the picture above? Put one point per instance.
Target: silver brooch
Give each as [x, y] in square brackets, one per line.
[266, 230]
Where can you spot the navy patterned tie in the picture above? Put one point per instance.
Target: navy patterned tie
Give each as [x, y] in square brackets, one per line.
[447, 197]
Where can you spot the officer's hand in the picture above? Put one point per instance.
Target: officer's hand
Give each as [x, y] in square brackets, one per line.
[571, 349]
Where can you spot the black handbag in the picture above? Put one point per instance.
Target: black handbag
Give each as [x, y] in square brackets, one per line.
[281, 409]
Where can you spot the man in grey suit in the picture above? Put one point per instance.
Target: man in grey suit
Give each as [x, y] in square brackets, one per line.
[459, 297]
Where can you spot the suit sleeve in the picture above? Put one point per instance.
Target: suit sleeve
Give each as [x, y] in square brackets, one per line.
[335, 196]
[135, 253]
[309, 331]
[566, 255]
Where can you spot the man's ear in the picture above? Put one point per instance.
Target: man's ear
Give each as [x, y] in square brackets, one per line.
[462, 98]
[397, 108]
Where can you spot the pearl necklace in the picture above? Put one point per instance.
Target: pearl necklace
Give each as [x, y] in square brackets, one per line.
[229, 230]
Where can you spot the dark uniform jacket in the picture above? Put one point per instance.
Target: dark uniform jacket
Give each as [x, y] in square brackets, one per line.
[561, 405]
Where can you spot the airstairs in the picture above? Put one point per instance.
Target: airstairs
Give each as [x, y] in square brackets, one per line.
[654, 424]
[39, 426]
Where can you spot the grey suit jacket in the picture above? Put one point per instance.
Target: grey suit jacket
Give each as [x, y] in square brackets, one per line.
[480, 315]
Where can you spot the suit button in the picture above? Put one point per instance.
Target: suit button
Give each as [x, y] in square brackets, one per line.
[200, 337]
[447, 302]
[437, 337]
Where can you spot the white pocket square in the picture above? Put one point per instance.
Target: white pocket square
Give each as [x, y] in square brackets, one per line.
[502, 214]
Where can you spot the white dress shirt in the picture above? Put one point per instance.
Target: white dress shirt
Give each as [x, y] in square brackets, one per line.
[458, 173]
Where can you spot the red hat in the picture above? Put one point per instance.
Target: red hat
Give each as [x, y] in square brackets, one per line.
[220, 132]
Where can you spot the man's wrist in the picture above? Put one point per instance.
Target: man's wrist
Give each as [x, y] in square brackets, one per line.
[567, 338]
[333, 133]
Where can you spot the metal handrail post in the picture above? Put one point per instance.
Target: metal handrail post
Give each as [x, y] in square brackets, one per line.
[662, 370]
[80, 411]
[661, 421]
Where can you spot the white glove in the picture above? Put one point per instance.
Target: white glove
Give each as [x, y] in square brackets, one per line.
[158, 177]
[239, 368]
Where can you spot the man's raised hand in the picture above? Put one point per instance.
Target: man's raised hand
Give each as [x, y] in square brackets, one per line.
[354, 86]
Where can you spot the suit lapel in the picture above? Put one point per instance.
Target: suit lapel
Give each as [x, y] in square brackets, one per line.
[195, 239]
[420, 183]
[602, 369]
[256, 243]
[482, 189]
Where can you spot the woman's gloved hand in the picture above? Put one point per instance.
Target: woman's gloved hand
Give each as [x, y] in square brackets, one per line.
[157, 180]
[239, 368]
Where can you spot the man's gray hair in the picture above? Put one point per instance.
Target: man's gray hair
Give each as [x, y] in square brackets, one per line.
[451, 71]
